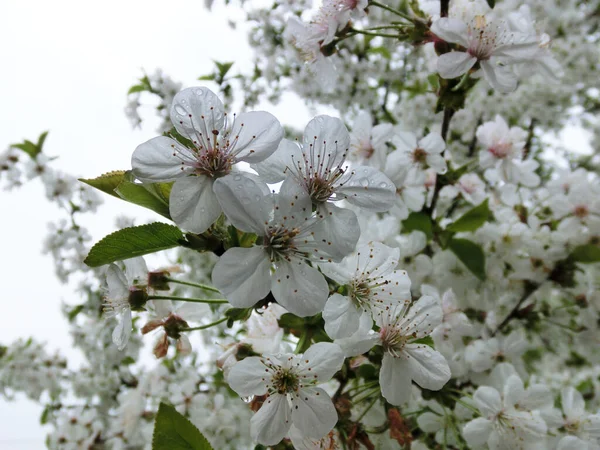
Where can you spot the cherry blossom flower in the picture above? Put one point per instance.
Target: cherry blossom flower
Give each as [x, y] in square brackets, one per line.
[288, 233]
[216, 146]
[417, 154]
[487, 42]
[289, 383]
[410, 185]
[372, 284]
[319, 166]
[127, 291]
[368, 143]
[404, 360]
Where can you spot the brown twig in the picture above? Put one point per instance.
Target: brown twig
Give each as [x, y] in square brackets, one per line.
[529, 141]
[530, 288]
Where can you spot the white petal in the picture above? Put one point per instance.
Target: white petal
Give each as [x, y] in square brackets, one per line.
[247, 377]
[276, 166]
[514, 391]
[405, 142]
[299, 288]
[341, 316]
[591, 425]
[122, 331]
[136, 271]
[423, 317]
[338, 230]
[272, 421]
[454, 64]
[572, 403]
[321, 361]
[488, 400]
[313, 412]
[184, 346]
[477, 432]
[118, 288]
[196, 112]
[154, 160]
[329, 137]
[433, 143]
[451, 30]
[242, 275]
[571, 443]
[437, 163]
[430, 422]
[376, 259]
[294, 206]
[362, 341]
[246, 201]
[193, 204]
[369, 188]
[428, 368]
[394, 380]
[257, 135]
[501, 78]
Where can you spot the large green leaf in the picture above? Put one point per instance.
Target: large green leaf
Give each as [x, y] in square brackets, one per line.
[586, 254]
[472, 219]
[172, 431]
[470, 254]
[107, 182]
[418, 221]
[134, 241]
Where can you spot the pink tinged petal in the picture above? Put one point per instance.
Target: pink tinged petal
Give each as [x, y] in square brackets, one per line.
[428, 368]
[394, 380]
[501, 78]
[477, 432]
[272, 421]
[321, 361]
[299, 288]
[197, 112]
[243, 275]
[338, 230]
[118, 288]
[256, 135]
[159, 160]
[488, 400]
[341, 316]
[122, 331]
[423, 317]
[249, 377]
[455, 64]
[572, 403]
[193, 204]
[368, 188]
[313, 412]
[451, 30]
[280, 163]
[329, 137]
[246, 201]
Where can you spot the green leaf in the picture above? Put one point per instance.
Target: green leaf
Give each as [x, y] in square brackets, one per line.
[133, 241]
[491, 3]
[137, 88]
[210, 77]
[172, 431]
[153, 196]
[41, 140]
[74, 312]
[383, 51]
[223, 68]
[30, 148]
[470, 254]
[472, 219]
[418, 221]
[107, 182]
[427, 340]
[586, 254]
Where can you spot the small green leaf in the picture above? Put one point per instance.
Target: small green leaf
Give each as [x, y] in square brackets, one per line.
[152, 196]
[383, 51]
[134, 241]
[223, 68]
[137, 88]
[45, 415]
[427, 340]
[30, 148]
[210, 77]
[470, 254]
[107, 182]
[472, 219]
[74, 312]
[172, 431]
[418, 221]
[586, 254]
[41, 140]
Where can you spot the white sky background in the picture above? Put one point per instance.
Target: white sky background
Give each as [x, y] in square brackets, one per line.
[66, 66]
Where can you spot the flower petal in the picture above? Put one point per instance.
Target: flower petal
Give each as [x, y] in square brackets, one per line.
[423, 317]
[157, 160]
[118, 288]
[196, 113]
[477, 432]
[393, 379]
[368, 188]
[326, 136]
[275, 167]
[451, 30]
[193, 204]
[242, 275]
[299, 288]
[313, 412]
[136, 271]
[257, 135]
[488, 400]
[572, 403]
[341, 316]
[501, 78]
[246, 201]
[247, 377]
[321, 361]
[454, 64]
[428, 368]
[122, 331]
[272, 421]
[338, 230]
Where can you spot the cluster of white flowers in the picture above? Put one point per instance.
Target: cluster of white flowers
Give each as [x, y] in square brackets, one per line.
[431, 234]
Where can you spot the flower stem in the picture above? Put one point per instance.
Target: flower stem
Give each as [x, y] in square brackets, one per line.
[370, 33]
[366, 410]
[204, 327]
[462, 82]
[212, 301]
[189, 283]
[392, 10]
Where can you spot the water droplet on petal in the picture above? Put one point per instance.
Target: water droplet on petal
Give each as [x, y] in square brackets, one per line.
[199, 92]
[364, 182]
[248, 399]
[383, 185]
[180, 110]
[237, 177]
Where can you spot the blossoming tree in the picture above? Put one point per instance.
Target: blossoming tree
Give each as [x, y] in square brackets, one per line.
[418, 270]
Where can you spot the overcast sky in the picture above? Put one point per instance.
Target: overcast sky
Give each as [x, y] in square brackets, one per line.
[66, 67]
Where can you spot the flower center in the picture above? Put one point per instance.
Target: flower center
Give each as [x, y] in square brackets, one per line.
[393, 340]
[279, 242]
[419, 156]
[501, 150]
[285, 381]
[581, 211]
[482, 38]
[214, 162]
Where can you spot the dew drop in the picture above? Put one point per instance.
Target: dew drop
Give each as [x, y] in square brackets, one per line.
[237, 178]
[199, 92]
[180, 110]
[364, 182]
[383, 185]
[248, 399]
